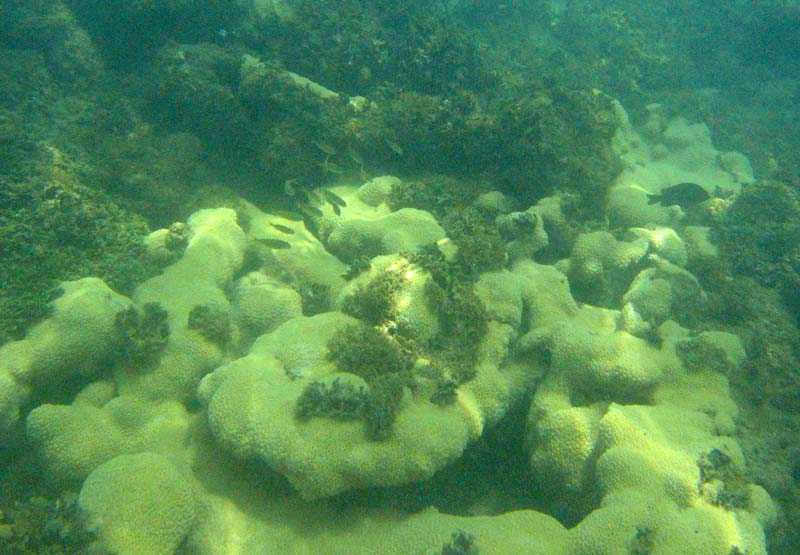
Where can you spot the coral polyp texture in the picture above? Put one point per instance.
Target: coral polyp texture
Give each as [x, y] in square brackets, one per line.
[255, 419]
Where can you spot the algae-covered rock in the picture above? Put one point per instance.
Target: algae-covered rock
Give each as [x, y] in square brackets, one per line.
[140, 28]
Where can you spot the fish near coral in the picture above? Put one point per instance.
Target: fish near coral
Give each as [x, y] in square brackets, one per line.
[682, 194]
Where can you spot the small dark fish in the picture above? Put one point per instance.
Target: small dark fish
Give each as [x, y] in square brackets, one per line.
[394, 147]
[682, 194]
[290, 187]
[289, 215]
[310, 211]
[325, 147]
[355, 156]
[333, 198]
[336, 209]
[330, 167]
[275, 244]
[283, 229]
[313, 198]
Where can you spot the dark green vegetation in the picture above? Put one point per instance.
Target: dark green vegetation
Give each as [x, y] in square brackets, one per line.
[480, 247]
[374, 301]
[697, 355]
[437, 194]
[355, 46]
[385, 366]
[461, 314]
[44, 526]
[117, 26]
[367, 352]
[436, 102]
[337, 399]
[461, 544]
[643, 542]
[50, 232]
[144, 333]
[730, 489]
[382, 350]
[760, 236]
[314, 296]
[462, 325]
[446, 393]
[527, 143]
[213, 323]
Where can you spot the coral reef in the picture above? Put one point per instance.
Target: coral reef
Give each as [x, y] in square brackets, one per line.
[116, 504]
[61, 348]
[504, 347]
[610, 436]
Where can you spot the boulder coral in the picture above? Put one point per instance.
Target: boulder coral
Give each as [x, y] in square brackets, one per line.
[259, 445]
[117, 498]
[78, 340]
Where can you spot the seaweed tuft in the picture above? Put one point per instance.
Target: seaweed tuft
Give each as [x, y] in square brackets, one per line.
[367, 352]
[212, 323]
[337, 399]
[144, 333]
[461, 544]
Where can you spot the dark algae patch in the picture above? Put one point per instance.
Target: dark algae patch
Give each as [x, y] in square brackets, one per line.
[52, 232]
